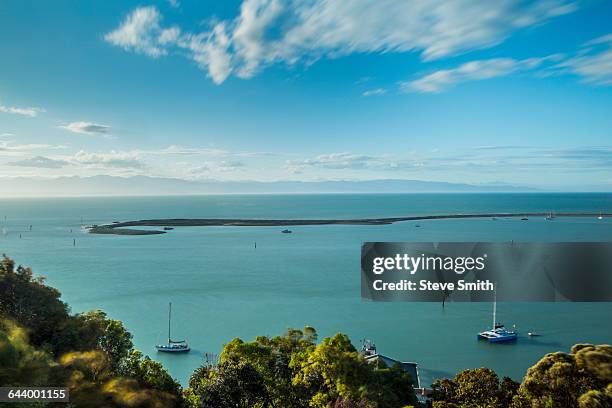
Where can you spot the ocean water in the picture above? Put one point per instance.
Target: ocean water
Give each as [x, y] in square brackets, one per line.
[222, 287]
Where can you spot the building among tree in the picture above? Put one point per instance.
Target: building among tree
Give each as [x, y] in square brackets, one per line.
[368, 350]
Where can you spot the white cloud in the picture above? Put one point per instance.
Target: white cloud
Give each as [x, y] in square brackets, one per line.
[189, 151]
[374, 92]
[140, 32]
[86, 128]
[29, 111]
[310, 30]
[471, 71]
[350, 161]
[40, 162]
[227, 165]
[336, 161]
[112, 159]
[303, 31]
[207, 169]
[169, 35]
[594, 62]
[467, 162]
[10, 148]
[211, 52]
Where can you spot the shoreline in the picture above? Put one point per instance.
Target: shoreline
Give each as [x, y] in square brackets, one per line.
[116, 228]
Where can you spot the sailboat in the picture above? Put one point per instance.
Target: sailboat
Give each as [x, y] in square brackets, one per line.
[173, 346]
[550, 216]
[498, 332]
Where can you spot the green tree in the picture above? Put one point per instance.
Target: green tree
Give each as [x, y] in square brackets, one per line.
[33, 305]
[580, 378]
[334, 370]
[92, 384]
[296, 372]
[479, 387]
[107, 335]
[272, 357]
[508, 388]
[149, 374]
[42, 344]
[20, 363]
[348, 403]
[234, 384]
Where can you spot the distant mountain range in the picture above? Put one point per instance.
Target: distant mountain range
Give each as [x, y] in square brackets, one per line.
[143, 185]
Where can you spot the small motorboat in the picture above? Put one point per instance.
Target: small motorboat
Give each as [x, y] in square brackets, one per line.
[524, 219]
[173, 346]
[168, 228]
[286, 231]
[533, 334]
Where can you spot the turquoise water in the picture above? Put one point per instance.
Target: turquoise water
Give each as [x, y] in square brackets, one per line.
[222, 287]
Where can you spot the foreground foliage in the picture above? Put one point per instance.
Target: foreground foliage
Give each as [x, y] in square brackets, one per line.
[581, 379]
[43, 344]
[293, 371]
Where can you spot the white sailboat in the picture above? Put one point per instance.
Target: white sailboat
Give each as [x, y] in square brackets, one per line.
[498, 332]
[173, 346]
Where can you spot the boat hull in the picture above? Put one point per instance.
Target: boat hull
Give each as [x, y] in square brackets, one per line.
[497, 336]
[503, 339]
[164, 349]
[498, 339]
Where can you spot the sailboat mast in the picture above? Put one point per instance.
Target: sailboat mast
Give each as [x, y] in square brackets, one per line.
[169, 317]
[494, 304]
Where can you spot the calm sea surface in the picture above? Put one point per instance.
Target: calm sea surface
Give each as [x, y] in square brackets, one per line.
[222, 287]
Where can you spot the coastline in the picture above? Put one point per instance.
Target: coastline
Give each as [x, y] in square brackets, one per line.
[117, 228]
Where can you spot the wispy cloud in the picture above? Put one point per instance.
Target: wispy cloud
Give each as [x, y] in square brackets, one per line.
[40, 162]
[227, 165]
[29, 111]
[141, 32]
[189, 151]
[11, 148]
[86, 128]
[439, 81]
[513, 163]
[594, 62]
[374, 92]
[302, 31]
[502, 159]
[351, 161]
[112, 159]
[334, 161]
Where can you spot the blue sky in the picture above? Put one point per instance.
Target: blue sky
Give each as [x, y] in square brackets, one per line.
[511, 92]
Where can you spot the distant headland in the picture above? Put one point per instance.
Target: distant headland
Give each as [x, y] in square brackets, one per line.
[125, 227]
